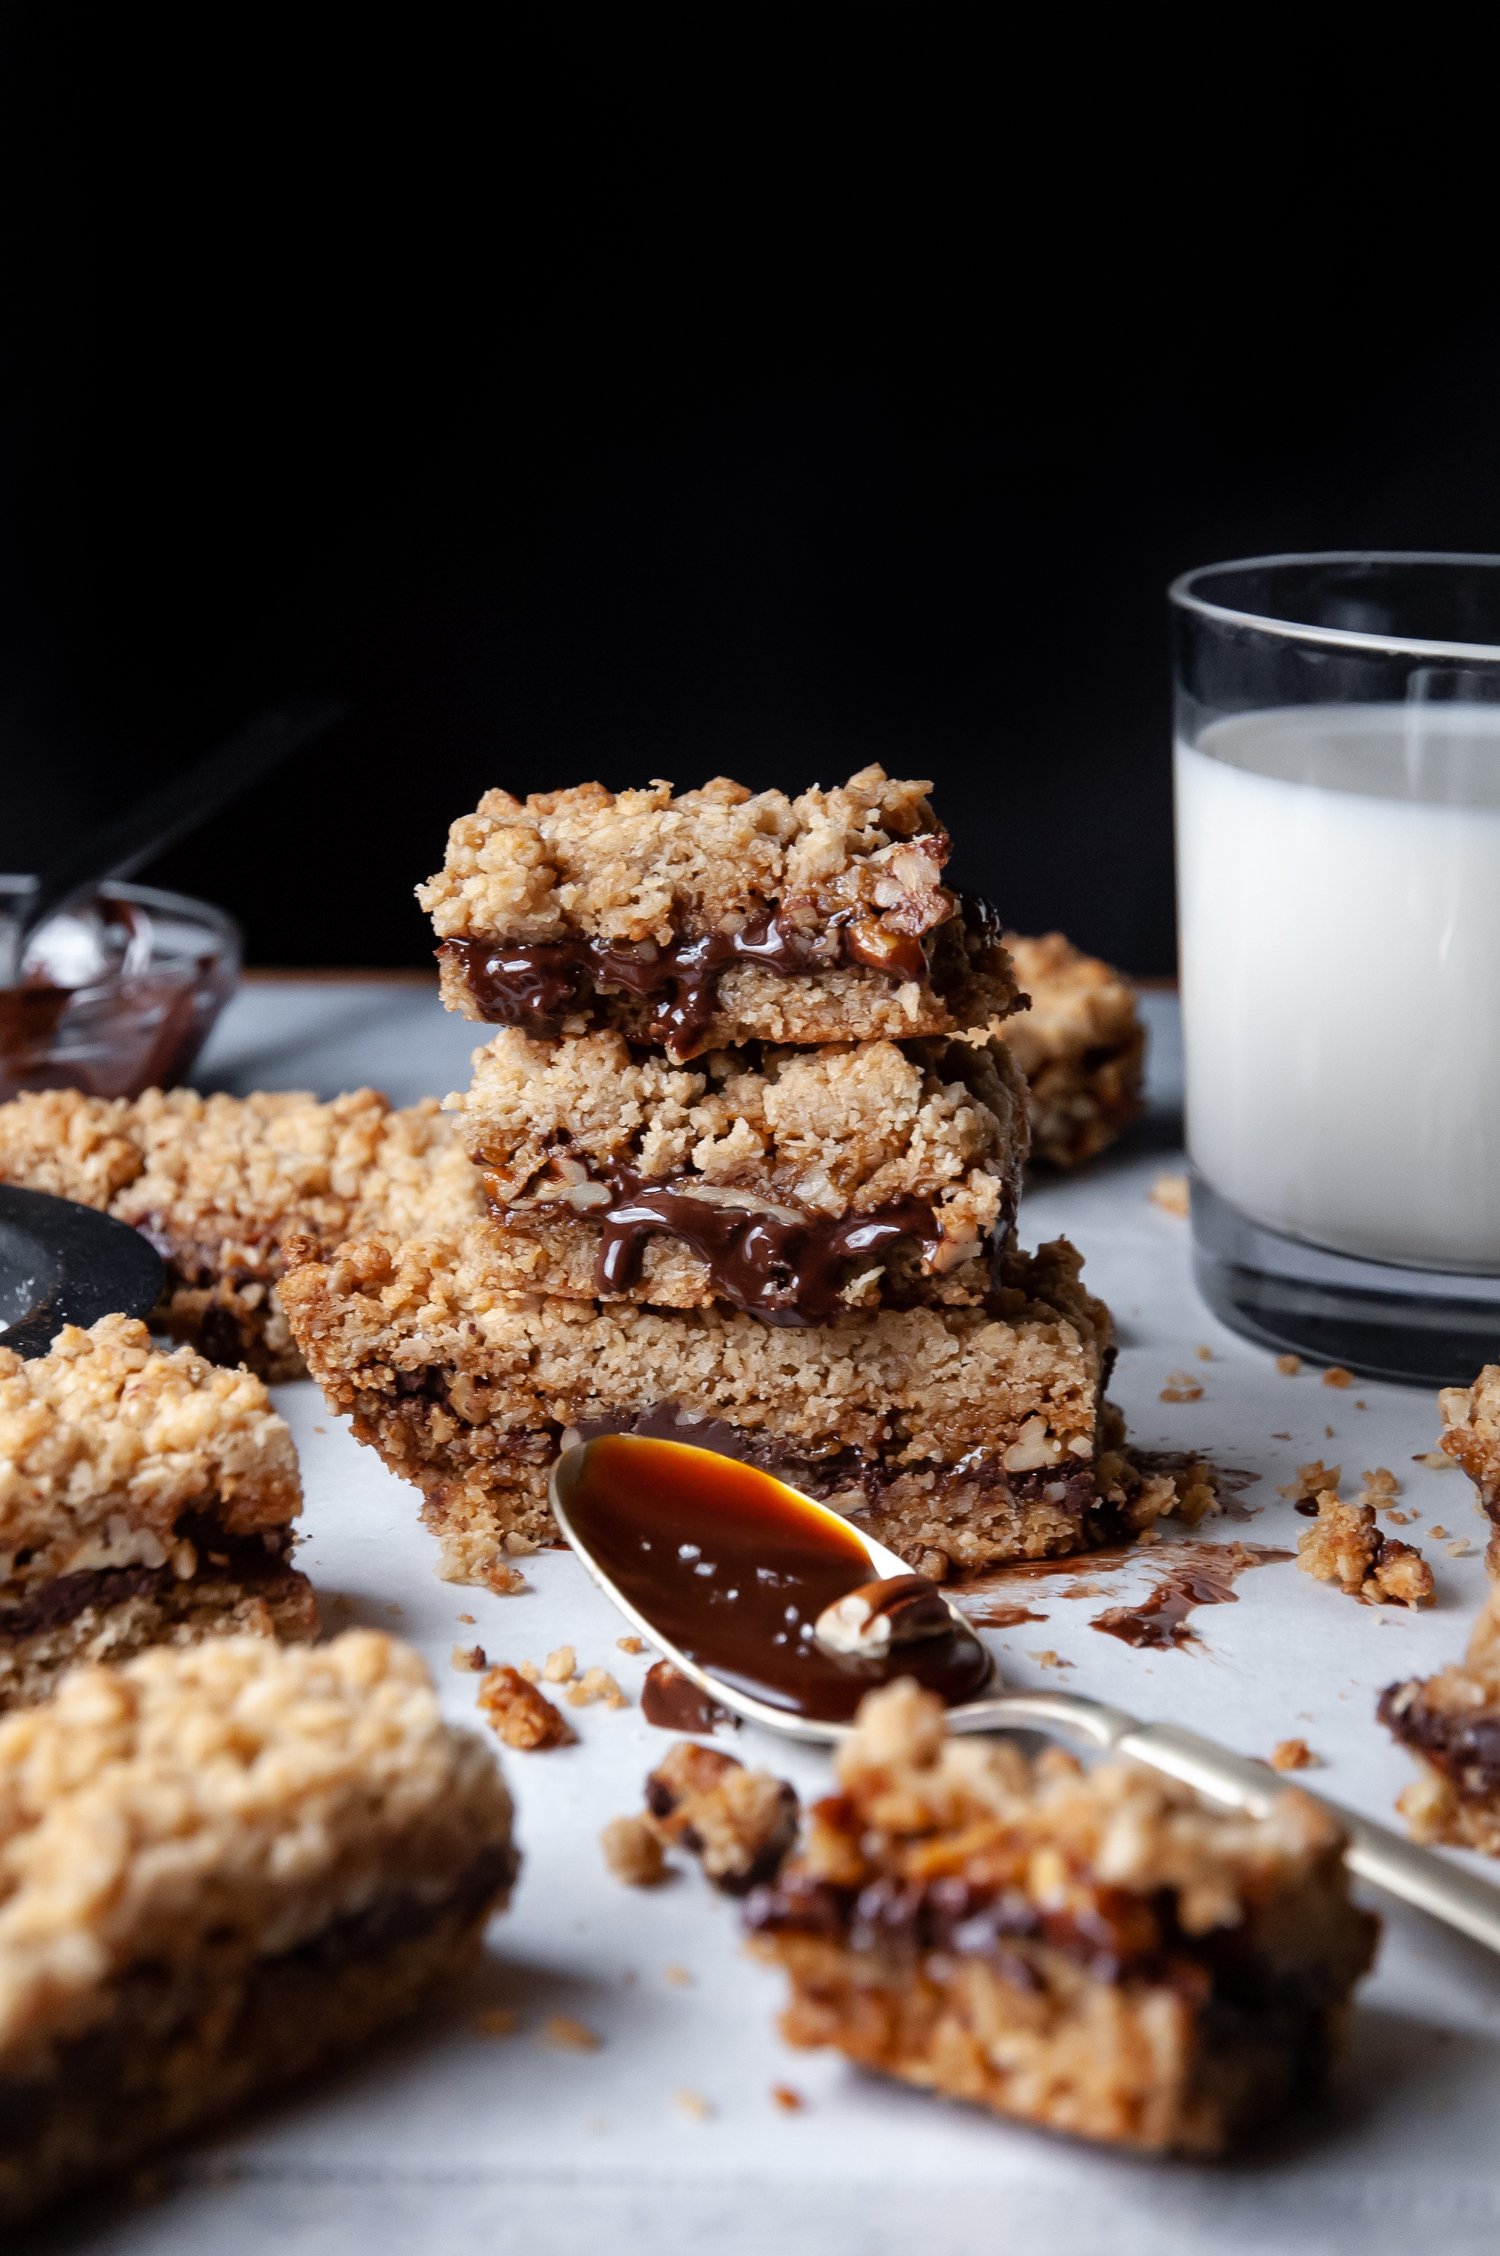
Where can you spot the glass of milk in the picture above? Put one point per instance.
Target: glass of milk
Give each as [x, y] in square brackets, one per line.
[1338, 881]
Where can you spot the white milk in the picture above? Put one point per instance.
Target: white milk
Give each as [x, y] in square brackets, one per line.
[1339, 895]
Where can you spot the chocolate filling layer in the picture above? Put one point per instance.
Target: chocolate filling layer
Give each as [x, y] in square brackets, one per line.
[90, 2066]
[246, 1560]
[534, 983]
[783, 1270]
[1115, 1937]
[1465, 1747]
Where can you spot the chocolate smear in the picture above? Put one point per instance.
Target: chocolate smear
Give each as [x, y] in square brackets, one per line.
[1206, 1578]
[673, 1702]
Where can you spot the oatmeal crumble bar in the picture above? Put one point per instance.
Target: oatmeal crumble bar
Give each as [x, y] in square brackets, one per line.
[1450, 1723]
[145, 1498]
[1099, 1953]
[713, 917]
[1081, 1047]
[1471, 1437]
[787, 1182]
[962, 1435]
[220, 1869]
[219, 1184]
[1345, 1545]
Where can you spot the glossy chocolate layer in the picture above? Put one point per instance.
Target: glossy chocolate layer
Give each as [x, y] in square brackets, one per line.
[532, 984]
[244, 1561]
[733, 1569]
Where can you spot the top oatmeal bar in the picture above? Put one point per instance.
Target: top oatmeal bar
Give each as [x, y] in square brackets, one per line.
[715, 916]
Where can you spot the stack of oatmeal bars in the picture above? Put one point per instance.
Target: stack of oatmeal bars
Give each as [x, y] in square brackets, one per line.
[751, 1146]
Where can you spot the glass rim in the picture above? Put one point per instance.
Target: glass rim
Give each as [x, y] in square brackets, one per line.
[1183, 592]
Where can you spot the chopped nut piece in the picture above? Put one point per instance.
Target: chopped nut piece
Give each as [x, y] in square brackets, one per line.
[739, 1822]
[633, 1852]
[695, 2105]
[596, 1684]
[629, 1645]
[1289, 1365]
[1313, 1481]
[560, 1666]
[1292, 1754]
[1346, 1546]
[520, 1715]
[1337, 1376]
[1171, 1193]
[497, 2021]
[572, 2035]
[790, 2102]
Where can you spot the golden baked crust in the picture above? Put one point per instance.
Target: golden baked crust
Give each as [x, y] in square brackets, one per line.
[957, 1435]
[568, 1129]
[219, 1184]
[648, 865]
[1345, 1545]
[1100, 1953]
[1081, 1047]
[217, 1867]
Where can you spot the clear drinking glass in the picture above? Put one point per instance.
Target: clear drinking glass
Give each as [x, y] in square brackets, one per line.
[1338, 880]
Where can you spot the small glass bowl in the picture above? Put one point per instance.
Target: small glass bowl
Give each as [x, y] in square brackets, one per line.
[137, 1024]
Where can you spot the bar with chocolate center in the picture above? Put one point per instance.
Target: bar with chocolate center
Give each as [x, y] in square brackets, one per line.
[794, 1184]
[714, 917]
[145, 1498]
[220, 1870]
[1100, 1953]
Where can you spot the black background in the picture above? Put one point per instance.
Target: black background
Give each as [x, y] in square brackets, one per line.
[670, 393]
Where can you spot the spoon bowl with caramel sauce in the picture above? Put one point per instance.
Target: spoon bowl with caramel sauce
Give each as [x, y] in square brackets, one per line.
[786, 1613]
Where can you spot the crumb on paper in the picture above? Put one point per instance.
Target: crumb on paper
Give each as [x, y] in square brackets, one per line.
[1330, 1433]
[1181, 1386]
[1171, 1193]
[506, 1581]
[633, 1852]
[596, 1684]
[1462, 1549]
[1437, 1529]
[790, 2101]
[1313, 1480]
[739, 1823]
[320, 1429]
[497, 2021]
[1048, 1659]
[693, 2104]
[470, 1657]
[521, 1715]
[1345, 1546]
[1337, 1376]
[467, 1620]
[570, 2034]
[1204, 1354]
[1435, 1460]
[530, 1671]
[678, 1976]
[1281, 1437]
[1381, 1482]
[629, 1645]
[1289, 1365]
[1360, 1403]
[560, 1666]
[1292, 1754]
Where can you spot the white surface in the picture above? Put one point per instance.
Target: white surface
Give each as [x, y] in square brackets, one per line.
[453, 2142]
[1338, 881]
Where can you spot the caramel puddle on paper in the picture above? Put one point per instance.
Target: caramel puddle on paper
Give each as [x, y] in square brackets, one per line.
[1205, 1578]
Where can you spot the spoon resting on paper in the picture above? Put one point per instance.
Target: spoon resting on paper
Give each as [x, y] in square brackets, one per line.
[786, 1613]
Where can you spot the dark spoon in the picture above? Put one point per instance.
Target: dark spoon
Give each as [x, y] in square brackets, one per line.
[62, 1263]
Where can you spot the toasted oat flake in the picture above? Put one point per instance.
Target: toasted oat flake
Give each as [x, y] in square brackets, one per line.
[570, 2034]
[560, 1665]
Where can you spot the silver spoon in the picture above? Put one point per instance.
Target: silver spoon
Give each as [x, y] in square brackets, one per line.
[1417, 1876]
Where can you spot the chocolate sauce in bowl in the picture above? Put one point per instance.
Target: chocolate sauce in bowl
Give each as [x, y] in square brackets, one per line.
[733, 1569]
